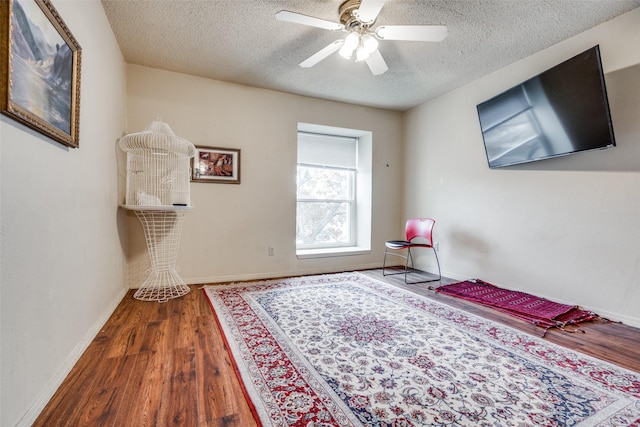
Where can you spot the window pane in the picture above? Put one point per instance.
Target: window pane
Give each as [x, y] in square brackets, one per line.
[324, 183]
[322, 223]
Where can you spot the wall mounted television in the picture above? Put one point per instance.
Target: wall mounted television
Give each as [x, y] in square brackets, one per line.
[561, 111]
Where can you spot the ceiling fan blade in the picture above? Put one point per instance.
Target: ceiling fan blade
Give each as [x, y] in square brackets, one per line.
[298, 18]
[369, 10]
[421, 33]
[322, 54]
[376, 63]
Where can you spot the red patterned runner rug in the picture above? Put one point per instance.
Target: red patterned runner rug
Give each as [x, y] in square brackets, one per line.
[348, 350]
[539, 311]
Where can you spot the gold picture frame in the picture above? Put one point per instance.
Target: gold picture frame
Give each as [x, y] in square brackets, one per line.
[216, 165]
[39, 70]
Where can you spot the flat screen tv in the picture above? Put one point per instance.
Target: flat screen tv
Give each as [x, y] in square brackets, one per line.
[561, 111]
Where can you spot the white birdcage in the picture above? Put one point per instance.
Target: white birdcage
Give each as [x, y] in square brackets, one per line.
[157, 189]
[158, 167]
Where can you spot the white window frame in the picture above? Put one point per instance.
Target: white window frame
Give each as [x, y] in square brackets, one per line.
[351, 201]
[362, 212]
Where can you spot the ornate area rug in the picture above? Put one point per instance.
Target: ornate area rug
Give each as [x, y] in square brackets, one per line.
[533, 309]
[347, 350]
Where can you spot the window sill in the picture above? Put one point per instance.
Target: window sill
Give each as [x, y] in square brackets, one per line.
[331, 252]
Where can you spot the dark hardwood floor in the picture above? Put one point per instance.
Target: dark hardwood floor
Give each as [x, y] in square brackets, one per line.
[153, 364]
[166, 364]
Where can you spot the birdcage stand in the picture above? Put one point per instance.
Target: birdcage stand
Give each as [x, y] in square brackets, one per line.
[162, 228]
[157, 190]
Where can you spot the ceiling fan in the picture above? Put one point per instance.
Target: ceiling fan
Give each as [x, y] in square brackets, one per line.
[357, 18]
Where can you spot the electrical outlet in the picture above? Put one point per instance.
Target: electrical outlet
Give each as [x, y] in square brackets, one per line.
[436, 246]
[272, 251]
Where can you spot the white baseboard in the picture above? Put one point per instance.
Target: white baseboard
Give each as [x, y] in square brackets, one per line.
[615, 317]
[293, 273]
[277, 274]
[56, 380]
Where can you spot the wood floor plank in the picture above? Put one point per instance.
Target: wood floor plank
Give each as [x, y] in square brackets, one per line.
[125, 332]
[182, 334]
[102, 404]
[153, 336]
[209, 374]
[141, 399]
[178, 404]
[161, 364]
[221, 395]
[90, 397]
[65, 404]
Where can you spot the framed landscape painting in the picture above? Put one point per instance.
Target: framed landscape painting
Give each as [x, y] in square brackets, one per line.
[39, 70]
[212, 164]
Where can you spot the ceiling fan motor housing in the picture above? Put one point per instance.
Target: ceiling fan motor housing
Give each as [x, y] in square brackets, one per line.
[348, 16]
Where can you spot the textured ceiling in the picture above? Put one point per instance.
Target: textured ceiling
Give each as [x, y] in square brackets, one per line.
[240, 41]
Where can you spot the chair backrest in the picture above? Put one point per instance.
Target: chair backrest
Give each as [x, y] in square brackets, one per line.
[419, 227]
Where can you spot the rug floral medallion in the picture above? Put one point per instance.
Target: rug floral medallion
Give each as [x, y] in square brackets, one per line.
[347, 350]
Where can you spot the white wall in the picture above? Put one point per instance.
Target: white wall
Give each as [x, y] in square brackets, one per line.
[566, 228]
[61, 245]
[226, 237]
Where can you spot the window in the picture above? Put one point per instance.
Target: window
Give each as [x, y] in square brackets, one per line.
[333, 209]
[326, 193]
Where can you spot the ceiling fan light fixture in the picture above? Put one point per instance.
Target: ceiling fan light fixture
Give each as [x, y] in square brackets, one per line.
[362, 54]
[370, 43]
[345, 52]
[352, 41]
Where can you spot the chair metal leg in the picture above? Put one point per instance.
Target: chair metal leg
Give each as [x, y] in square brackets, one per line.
[384, 262]
[409, 259]
[437, 262]
[421, 281]
[406, 264]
